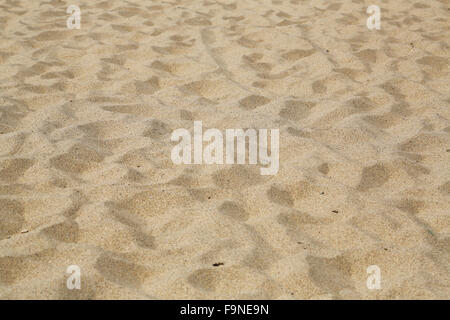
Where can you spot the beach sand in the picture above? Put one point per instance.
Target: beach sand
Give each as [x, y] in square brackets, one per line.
[86, 176]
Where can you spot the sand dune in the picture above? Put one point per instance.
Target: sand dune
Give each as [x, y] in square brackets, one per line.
[86, 176]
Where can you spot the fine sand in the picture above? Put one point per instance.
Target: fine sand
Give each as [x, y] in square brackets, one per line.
[86, 176]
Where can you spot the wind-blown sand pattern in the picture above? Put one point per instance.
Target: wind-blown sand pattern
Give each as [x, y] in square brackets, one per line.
[85, 171]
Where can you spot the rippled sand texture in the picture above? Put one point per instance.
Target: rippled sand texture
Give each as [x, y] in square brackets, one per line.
[85, 171]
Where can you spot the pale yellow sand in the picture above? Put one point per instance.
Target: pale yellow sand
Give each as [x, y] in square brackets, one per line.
[85, 171]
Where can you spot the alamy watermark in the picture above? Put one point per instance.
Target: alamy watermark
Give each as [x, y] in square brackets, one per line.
[374, 21]
[74, 21]
[74, 280]
[374, 278]
[213, 153]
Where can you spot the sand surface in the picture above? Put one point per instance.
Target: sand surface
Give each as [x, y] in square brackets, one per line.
[86, 176]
